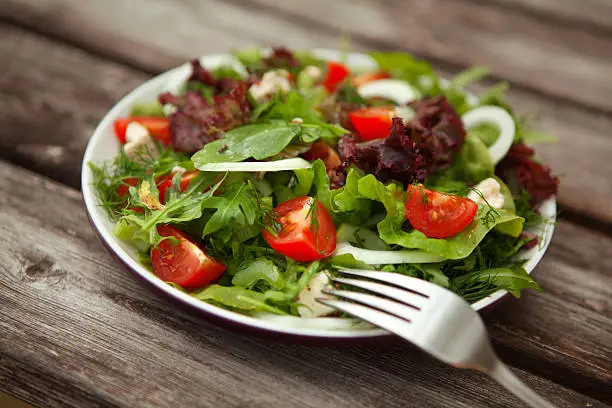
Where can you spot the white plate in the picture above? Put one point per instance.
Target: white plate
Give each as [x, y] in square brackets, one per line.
[104, 146]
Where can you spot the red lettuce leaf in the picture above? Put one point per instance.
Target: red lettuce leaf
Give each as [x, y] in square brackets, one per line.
[412, 151]
[197, 121]
[519, 167]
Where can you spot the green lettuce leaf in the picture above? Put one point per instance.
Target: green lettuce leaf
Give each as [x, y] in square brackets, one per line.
[473, 163]
[456, 247]
[346, 202]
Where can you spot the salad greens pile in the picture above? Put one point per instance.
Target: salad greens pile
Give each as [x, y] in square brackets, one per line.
[231, 215]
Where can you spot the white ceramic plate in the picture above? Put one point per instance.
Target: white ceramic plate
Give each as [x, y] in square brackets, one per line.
[104, 146]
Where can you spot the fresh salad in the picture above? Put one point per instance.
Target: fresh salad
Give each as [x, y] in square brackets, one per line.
[251, 182]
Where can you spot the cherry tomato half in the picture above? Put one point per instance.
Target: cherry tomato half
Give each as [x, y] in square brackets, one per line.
[158, 127]
[303, 234]
[363, 79]
[372, 123]
[438, 215]
[165, 183]
[183, 262]
[336, 73]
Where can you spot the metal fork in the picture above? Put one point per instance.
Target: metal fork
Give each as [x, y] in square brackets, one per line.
[431, 317]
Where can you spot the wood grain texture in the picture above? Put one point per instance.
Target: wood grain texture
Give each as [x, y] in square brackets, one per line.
[69, 90]
[83, 332]
[561, 60]
[590, 14]
[52, 97]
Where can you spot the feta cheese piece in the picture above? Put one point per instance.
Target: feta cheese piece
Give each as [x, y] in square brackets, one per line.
[313, 72]
[490, 190]
[308, 296]
[271, 83]
[297, 121]
[139, 142]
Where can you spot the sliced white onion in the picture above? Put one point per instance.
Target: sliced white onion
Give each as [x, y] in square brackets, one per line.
[276, 165]
[501, 119]
[405, 112]
[386, 257]
[395, 89]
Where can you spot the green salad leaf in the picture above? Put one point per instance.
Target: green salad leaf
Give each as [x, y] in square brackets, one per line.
[257, 271]
[514, 280]
[473, 163]
[456, 247]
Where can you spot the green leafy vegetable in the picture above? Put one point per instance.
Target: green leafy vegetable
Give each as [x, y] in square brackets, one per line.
[257, 271]
[456, 247]
[514, 280]
[473, 163]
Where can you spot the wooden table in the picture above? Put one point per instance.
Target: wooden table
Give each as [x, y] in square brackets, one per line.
[76, 330]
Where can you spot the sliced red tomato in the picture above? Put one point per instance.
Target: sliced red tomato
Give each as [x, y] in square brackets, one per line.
[321, 150]
[184, 262]
[158, 127]
[304, 234]
[165, 183]
[123, 188]
[363, 79]
[372, 123]
[436, 214]
[336, 73]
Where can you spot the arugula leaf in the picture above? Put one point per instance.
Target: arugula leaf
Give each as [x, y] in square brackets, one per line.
[256, 271]
[179, 208]
[468, 76]
[456, 247]
[237, 205]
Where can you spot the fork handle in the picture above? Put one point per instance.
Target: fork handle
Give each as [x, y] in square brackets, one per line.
[502, 374]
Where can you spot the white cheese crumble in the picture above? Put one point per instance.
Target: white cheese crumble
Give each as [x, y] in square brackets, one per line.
[271, 83]
[308, 296]
[297, 121]
[313, 72]
[491, 192]
[139, 142]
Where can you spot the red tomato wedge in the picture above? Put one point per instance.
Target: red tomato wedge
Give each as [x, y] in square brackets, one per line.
[336, 73]
[372, 123]
[165, 183]
[123, 188]
[158, 127]
[363, 79]
[301, 236]
[438, 215]
[183, 262]
[321, 150]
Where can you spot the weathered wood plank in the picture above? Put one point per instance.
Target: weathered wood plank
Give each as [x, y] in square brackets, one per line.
[549, 57]
[84, 87]
[52, 97]
[77, 330]
[588, 13]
